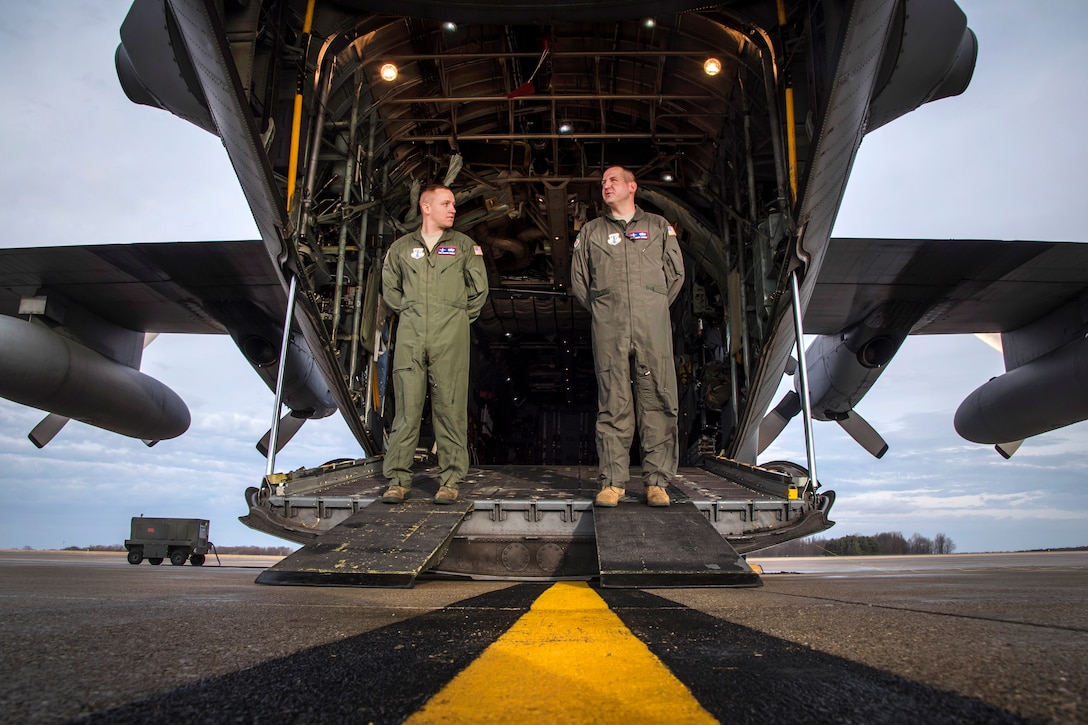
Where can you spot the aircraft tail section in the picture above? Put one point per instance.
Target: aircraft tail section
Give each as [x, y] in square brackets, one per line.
[153, 68]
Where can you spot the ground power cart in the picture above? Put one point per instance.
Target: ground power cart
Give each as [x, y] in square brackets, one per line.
[173, 539]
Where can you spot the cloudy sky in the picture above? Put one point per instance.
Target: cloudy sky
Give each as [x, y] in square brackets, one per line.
[83, 165]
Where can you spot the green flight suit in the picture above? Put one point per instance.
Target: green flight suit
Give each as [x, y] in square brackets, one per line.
[627, 275]
[437, 295]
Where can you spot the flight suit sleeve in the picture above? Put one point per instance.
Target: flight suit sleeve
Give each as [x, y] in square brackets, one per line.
[392, 287]
[674, 264]
[579, 270]
[475, 282]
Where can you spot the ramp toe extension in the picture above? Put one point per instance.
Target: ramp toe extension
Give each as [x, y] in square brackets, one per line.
[643, 547]
[380, 546]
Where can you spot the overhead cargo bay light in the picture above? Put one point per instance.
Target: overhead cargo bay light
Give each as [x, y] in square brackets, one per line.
[388, 72]
[712, 66]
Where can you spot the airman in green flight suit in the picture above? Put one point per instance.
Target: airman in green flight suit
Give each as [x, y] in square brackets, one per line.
[627, 269]
[435, 280]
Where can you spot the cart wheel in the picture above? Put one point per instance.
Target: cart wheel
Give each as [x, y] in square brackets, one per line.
[135, 556]
[155, 560]
[197, 560]
[177, 558]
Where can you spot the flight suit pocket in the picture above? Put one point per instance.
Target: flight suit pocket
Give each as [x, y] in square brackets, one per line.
[451, 286]
[654, 269]
[411, 283]
[613, 392]
[603, 266]
[405, 384]
[656, 386]
[674, 265]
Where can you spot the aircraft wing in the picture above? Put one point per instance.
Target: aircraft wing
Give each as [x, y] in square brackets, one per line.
[182, 287]
[872, 293]
[956, 286]
[92, 305]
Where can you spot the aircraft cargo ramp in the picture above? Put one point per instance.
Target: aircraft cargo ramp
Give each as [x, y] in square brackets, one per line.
[527, 522]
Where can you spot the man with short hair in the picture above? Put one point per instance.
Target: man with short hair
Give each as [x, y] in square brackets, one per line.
[434, 278]
[627, 269]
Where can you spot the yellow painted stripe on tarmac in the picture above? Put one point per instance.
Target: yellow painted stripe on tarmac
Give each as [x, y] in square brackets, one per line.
[569, 659]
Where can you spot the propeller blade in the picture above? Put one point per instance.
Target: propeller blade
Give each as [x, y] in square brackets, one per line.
[44, 431]
[1007, 449]
[993, 339]
[289, 425]
[860, 430]
[775, 421]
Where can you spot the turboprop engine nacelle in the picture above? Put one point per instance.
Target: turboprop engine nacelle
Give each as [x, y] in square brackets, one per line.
[1047, 393]
[842, 368]
[50, 372]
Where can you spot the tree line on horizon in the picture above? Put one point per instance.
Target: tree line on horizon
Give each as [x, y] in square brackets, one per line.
[888, 543]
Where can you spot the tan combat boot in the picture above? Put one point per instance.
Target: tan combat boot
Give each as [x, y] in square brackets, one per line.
[395, 494]
[446, 495]
[608, 496]
[657, 496]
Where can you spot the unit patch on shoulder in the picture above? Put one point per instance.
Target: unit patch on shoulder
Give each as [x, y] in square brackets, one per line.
[477, 251]
[672, 232]
[447, 251]
[614, 238]
[418, 253]
[577, 241]
[638, 235]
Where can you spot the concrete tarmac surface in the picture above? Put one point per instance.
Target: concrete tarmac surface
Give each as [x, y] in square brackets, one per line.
[961, 638]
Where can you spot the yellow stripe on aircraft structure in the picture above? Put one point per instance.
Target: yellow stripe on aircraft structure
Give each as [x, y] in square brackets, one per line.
[569, 659]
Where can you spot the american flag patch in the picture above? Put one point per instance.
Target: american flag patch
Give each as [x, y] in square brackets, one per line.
[447, 251]
[477, 250]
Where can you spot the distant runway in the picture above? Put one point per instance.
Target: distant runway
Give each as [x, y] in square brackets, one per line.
[960, 638]
[908, 565]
